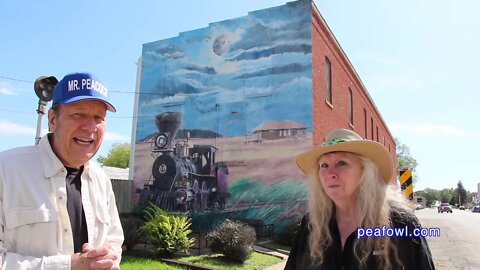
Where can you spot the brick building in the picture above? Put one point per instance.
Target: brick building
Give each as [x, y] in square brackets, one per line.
[340, 100]
[260, 89]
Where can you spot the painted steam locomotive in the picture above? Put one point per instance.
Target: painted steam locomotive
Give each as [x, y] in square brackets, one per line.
[186, 177]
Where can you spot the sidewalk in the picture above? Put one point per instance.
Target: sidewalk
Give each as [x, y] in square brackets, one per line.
[278, 266]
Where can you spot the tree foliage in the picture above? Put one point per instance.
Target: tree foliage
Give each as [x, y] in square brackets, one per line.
[118, 156]
[431, 195]
[460, 194]
[404, 159]
[455, 196]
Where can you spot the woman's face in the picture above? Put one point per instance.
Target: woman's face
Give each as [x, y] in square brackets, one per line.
[339, 173]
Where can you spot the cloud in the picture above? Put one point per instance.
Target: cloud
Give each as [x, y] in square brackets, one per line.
[290, 68]
[281, 49]
[5, 89]
[111, 136]
[10, 128]
[432, 130]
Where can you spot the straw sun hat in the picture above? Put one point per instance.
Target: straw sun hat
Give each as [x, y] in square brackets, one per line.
[344, 140]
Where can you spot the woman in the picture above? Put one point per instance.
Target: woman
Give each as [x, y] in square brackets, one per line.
[349, 193]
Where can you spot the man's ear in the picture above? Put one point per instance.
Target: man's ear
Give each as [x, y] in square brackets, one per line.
[52, 118]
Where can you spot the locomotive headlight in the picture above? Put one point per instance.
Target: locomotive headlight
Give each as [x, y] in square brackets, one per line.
[161, 140]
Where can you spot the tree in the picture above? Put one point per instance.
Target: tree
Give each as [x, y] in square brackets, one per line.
[431, 195]
[118, 156]
[404, 159]
[460, 194]
[446, 195]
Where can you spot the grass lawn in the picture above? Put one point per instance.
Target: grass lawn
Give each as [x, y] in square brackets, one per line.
[137, 263]
[144, 259]
[256, 262]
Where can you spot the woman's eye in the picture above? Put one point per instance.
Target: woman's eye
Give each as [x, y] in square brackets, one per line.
[323, 165]
[342, 163]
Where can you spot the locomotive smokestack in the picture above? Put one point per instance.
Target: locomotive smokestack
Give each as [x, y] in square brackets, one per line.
[169, 122]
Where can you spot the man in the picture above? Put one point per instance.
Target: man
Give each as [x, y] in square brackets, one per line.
[57, 209]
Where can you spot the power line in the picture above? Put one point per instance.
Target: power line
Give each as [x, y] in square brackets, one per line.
[13, 79]
[109, 116]
[111, 91]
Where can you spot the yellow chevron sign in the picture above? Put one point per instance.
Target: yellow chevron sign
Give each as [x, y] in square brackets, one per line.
[406, 183]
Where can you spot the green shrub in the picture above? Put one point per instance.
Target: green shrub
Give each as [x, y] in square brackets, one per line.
[167, 233]
[131, 229]
[233, 239]
[289, 233]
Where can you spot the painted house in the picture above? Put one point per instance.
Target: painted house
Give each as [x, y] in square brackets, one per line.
[277, 130]
[271, 74]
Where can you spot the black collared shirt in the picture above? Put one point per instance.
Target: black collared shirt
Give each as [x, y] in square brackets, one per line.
[75, 208]
[414, 252]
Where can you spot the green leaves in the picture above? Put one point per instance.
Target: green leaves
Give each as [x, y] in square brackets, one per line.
[118, 156]
[167, 233]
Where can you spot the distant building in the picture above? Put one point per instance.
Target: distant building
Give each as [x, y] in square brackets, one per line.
[276, 130]
[476, 199]
[420, 200]
[122, 187]
[116, 173]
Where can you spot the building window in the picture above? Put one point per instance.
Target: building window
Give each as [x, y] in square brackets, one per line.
[371, 127]
[350, 105]
[365, 118]
[328, 80]
[378, 140]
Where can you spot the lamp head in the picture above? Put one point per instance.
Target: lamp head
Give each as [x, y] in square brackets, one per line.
[43, 87]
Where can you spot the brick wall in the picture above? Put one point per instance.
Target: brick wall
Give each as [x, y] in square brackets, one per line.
[328, 116]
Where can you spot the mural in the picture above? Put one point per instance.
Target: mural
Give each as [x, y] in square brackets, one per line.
[221, 114]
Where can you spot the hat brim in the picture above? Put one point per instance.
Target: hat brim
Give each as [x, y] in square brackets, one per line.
[374, 151]
[80, 98]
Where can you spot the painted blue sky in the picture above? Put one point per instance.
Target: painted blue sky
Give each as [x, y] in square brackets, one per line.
[252, 68]
[418, 60]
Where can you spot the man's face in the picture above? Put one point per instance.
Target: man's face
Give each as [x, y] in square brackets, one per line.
[78, 130]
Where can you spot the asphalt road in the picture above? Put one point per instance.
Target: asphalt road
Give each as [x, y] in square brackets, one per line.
[458, 246]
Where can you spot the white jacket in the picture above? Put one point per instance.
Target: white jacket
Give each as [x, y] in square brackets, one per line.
[35, 230]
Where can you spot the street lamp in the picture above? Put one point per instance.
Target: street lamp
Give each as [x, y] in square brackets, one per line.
[43, 87]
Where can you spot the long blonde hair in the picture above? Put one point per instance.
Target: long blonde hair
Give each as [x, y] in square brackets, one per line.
[373, 208]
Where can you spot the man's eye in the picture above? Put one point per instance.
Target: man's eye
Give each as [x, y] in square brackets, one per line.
[323, 165]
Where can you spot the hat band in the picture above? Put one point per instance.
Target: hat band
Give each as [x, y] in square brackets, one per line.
[334, 141]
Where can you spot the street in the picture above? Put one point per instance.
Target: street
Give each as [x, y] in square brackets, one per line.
[459, 241]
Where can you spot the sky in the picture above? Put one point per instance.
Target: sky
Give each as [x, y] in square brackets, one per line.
[417, 59]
